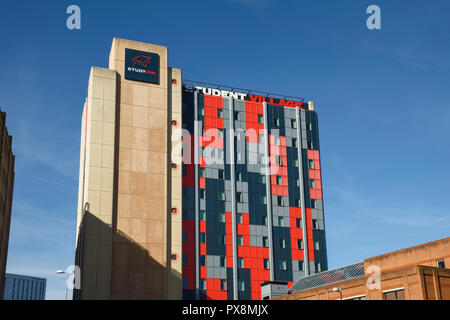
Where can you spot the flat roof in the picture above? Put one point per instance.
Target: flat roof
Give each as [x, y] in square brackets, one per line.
[352, 271]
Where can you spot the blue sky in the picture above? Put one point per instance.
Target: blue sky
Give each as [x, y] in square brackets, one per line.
[382, 98]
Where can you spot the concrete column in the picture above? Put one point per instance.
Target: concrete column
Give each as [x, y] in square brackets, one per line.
[197, 200]
[302, 192]
[233, 200]
[268, 193]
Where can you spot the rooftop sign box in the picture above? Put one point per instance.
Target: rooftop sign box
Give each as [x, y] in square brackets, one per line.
[141, 66]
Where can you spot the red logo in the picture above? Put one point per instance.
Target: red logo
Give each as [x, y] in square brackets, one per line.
[141, 60]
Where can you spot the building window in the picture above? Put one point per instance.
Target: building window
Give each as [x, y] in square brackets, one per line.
[310, 145]
[221, 195]
[263, 199]
[261, 138]
[202, 214]
[283, 243]
[309, 125]
[202, 193]
[313, 204]
[312, 183]
[265, 221]
[301, 265]
[220, 133]
[316, 245]
[223, 261]
[277, 140]
[311, 164]
[300, 244]
[294, 142]
[202, 284]
[185, 283]
[185, 236]
[265, 242]
[239, 197]
[202, 237]
[241, 285]
[237, 116]
[294, 123]
[201, 172]
[222, 217]
[276, 121]
[266, 264]
[394, 295]
[185, 259]
[240, 240]
[262, 179]
[297, 201]
[240, 262]
[298, 222]
[280, 201]
[239, 176]
[281, 221]
[278, 160]
[279, 180]
[222, 239]
[239, 218]
[223, 284]
[203, 260]
[221, 174]
[201, 111]
[260, 118]
[356, 298]
[318, 267]
[315, 224]
[283, 265]
[296, 162]
[220, 113]
[440, 264]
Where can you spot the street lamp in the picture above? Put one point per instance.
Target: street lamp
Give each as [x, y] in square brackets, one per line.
[67, 275]
[338, 290]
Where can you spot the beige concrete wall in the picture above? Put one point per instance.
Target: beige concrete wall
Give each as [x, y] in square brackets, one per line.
[100, 110]
[129, 233]
[141, 248]
[175, 280]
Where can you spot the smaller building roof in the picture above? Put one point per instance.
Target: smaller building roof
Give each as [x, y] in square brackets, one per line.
[328, 277]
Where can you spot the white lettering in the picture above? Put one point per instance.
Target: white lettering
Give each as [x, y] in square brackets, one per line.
[218, 93]
[374, 21]
[74, 20]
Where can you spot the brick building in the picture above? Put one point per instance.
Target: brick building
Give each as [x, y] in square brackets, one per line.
[416, 273]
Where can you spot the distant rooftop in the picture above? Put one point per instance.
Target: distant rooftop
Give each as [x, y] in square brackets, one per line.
[328, 277]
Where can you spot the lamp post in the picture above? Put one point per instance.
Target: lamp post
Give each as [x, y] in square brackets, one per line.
[338, 290]
[65, 284]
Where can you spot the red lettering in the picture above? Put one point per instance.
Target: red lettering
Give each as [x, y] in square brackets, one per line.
[253, 98]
